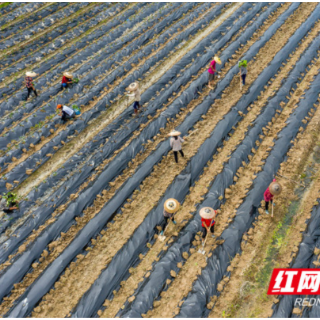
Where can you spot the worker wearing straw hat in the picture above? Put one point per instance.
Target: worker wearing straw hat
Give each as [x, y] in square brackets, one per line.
[66, 80]
[274, 189]
[176, 144]
[29, 84]
[207, 215]
[170, 207]
[135, 92]
[212, 70]
[243, 70]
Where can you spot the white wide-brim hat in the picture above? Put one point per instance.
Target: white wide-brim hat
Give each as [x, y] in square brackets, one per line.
[30, 74]
[171, 205]
[174, 133]
[68, 75]
[207, 213]
[133, 86]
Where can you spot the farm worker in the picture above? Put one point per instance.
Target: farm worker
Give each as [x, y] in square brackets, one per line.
[268, 197]
[134, 88]
[9, 203]
[28, 82]
[274, 189]
[207, 215]
[243, 70]
[175, 144]
[66, 80]
[170, 207]
[212, 70]
[66, 113]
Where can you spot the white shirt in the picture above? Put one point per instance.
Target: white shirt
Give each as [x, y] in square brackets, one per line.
[136, 95]
[176, 144]
[68, 110]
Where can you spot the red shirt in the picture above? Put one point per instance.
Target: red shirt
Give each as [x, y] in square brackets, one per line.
[268, 196]
[65, 79]
[207, 222]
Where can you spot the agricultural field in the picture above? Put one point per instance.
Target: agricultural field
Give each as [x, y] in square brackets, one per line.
[84, 241]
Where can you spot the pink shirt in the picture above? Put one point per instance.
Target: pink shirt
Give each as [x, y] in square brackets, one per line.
[268, 196]
[213, 65]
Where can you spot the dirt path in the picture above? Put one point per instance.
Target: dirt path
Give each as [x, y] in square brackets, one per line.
[141, 205]
[245, 294]
[115, 110]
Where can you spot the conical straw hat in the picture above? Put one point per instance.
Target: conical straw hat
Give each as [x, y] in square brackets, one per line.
[30, 74]
[174, 133]
[171, 205]
[133, 86]
[68, 75]
[275, 188]
[207, 213]
[217, 59]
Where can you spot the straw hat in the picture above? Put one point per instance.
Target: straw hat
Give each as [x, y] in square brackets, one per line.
[133, 86]
[207, 213]
[217, 59]
[174, 133]
[68, 75]
[171, 205]
[30, 74]
[275, 188]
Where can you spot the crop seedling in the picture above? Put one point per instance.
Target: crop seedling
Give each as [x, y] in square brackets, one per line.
[11, 199]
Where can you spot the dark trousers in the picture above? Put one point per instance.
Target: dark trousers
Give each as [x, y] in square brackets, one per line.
[267, 204]
[243, 76]
[165, 222]
[29, 92]
[204, 231]
[176, 155]
[136, 106]
[66, 117]
[65, 85]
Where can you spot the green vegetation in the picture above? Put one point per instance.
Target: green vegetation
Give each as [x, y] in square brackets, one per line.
[5, 4]
[11, 199]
